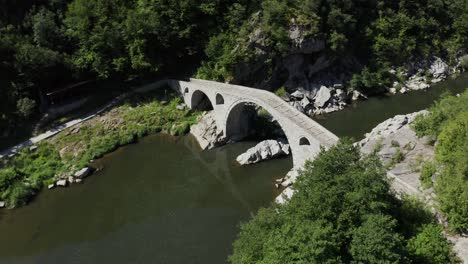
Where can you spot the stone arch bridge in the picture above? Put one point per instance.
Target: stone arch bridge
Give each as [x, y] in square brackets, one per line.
[228, 101]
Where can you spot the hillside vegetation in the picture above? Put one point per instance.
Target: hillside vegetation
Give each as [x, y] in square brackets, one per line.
[342, 212]
[48, 44]
[447, 124]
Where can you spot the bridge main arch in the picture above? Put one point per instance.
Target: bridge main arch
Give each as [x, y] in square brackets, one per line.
[236, 126]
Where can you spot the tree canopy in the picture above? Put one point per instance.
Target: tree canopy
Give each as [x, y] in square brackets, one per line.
[342, 212]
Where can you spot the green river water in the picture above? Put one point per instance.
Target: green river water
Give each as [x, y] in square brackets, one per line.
[163, 200]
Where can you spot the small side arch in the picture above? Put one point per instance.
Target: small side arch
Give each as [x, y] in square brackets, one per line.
[186, 90]
[200, 101]
[304, 142]
[219, 99]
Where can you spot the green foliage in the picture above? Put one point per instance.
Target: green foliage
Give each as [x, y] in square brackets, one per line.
[398, 157]
[281, 91]
[448, 123]
[395, 144]
[431, 247]
[26, 107]
[428, 170]
[464, 62]
[334, 195]
[376, 241]
[369, 81]
[442, 112]
[341, 212]
[25, 174]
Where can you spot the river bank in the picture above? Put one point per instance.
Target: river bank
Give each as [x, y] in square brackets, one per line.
[64, 158]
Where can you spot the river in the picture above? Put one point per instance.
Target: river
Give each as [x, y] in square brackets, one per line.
[163, 200]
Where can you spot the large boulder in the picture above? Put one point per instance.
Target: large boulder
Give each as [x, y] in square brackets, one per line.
[322, 97]
[264, 150]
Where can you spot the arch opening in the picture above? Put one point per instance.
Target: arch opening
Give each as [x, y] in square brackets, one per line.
[200, 101]
[248, 121]
[186, 90]
[304, 142]
[219, 99]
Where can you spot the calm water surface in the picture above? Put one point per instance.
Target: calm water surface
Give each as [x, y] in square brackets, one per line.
[359, 118]
[165, 201]
[159, 201]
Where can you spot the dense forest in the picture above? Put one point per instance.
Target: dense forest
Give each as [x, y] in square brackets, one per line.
[48, 44]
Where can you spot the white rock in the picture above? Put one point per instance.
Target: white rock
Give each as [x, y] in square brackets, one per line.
[32, 148]
[78, 180]
[357, 95]
[298, 94]
[61, 183]
[305, 102]
[2, 204]
[285, 196]
[322, 97]
[70, 179]
[51, 186]
[83, 173]
[439, 68]
[340, 94]
[180, 107]
[264, 150]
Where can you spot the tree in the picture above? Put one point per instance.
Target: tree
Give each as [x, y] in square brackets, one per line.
[376, 241]
[26, 107]
[430, 246]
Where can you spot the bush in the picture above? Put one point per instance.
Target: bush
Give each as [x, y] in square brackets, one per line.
[281, 91]
[26, 107]
[464, 62]
[431, 247]
[427, 172]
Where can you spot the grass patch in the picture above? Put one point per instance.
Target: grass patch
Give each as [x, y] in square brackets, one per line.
[25, 174]
[281, 91]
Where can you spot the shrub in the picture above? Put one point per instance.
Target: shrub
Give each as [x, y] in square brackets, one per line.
[281, 91]
[431, 247]
[427, 172]
[464, 62]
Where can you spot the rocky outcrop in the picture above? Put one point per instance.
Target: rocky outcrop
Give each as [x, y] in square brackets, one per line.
[400, 150]
[206, 132]
[264, 150]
